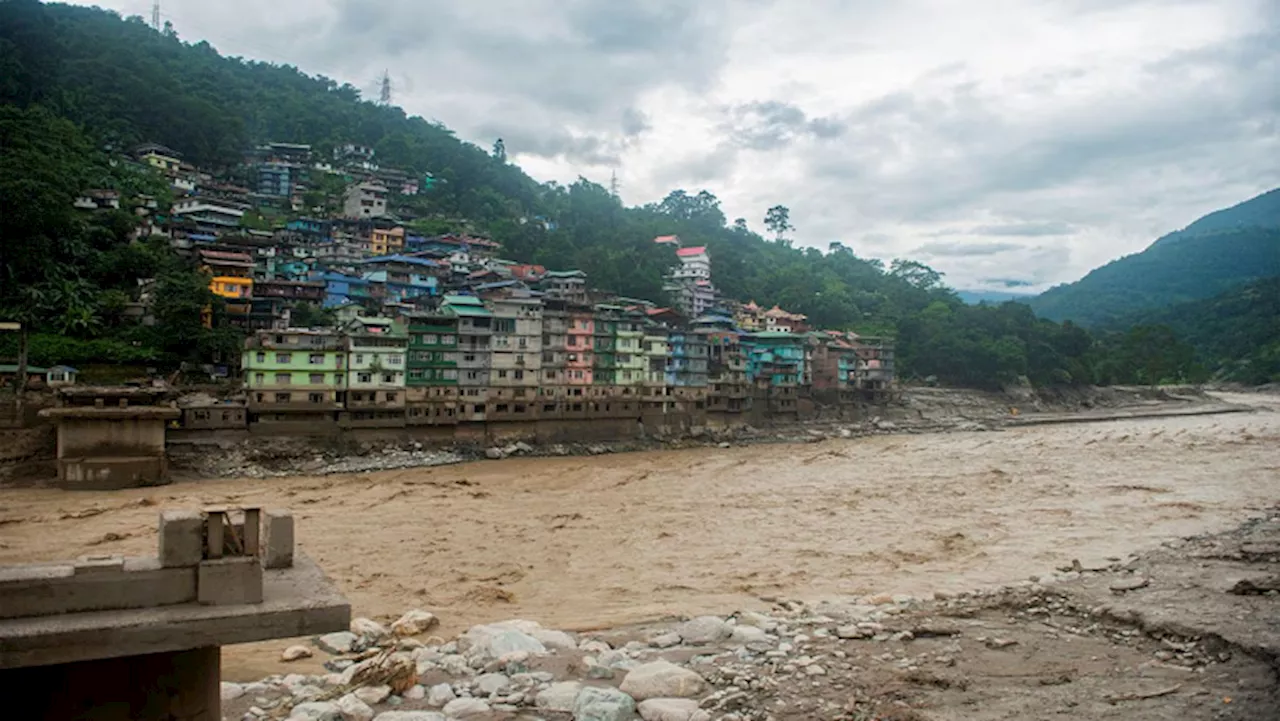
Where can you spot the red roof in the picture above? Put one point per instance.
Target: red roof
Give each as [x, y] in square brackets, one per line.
[672, 239]
[696, 250]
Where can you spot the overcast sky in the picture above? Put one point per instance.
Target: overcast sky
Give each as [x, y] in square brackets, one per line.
[1000, 140]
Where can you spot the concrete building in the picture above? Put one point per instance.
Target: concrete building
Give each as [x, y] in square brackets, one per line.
[580, 347]
[377, 351]
[604, 366]
[632, 365]
[294, 378]
[210, 214]
[687, 364]
[110, 638]
[775, 365]
[386, 241]
[475, 351]
[111, 437]
[365, 200]
[431, 387]
[516, 361]
[570, 285]
[689, 284]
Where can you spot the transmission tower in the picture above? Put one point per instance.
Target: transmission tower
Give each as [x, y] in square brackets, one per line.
[614, 185]
[384, 95]
[155, 15]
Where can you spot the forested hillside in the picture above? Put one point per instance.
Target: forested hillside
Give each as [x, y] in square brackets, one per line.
[1217, 252]
[79, 85]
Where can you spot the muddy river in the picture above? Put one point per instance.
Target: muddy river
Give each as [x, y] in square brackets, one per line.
[589, 542]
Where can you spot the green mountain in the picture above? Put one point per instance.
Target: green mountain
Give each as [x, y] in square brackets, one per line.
[1208, 257]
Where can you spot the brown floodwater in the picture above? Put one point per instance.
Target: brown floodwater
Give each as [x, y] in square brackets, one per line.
[578, 543]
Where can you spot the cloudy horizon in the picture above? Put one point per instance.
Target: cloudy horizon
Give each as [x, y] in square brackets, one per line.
[1017, 145]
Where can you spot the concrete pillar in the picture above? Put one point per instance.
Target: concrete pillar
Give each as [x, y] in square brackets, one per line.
[176, 686]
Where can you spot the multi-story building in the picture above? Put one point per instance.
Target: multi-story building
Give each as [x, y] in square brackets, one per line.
[604, 365]
[875, 364]
[553, 387]
[209, 215]
[365, 200]
[386, 241]
[781, 321]
[775, 364]
[294, 378]
[570, 285]
[631, 364]
[580, 346]
[402, 278]
[516, 363]
[687, 363]
[475, 350]
[749, 317]
[690, 283]
[431, 391]
[377, 353]
[277, 179]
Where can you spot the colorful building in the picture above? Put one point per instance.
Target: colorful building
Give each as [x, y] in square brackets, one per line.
[605, 361]
[377, 350]
[631, 364]
[294, 377]
[386, 241]
[475, 335]
[580, 346]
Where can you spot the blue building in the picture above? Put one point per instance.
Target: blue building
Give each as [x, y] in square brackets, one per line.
[277, 179]
[340, 288]
[774, 358]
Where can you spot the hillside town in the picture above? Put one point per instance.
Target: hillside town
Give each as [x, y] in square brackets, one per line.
[441, 329]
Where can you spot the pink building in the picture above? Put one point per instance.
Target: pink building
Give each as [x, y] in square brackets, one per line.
[578, 348]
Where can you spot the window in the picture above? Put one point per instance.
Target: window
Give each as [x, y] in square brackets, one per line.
[284, 357]
[283, 379]
[577, 374]
[357, 397]
[548, 408]
[259, 378]
[415, 375]
[365, 377]
[449, 374]
[388, 378]
[316, 397]
[391, 397]
[316, 379]
[395, 360]
[261, 357]
[447, 340]
[359, 357]
[430, 339]
[282, 397]
[502, 374]
[473, 392]
[279, 340]
[315, 359]
[500, 408]
[519, 375]
[523, 342]
[473, 375]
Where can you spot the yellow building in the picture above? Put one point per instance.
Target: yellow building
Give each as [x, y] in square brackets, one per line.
[163, 162]
[231, 287]
[387, 242]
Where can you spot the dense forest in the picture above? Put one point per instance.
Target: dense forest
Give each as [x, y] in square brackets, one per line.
[1217, 252]
[78, 85]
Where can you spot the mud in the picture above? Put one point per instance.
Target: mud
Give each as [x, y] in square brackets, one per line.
[582, 543]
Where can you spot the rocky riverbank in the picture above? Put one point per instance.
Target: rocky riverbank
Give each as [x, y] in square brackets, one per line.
[1187, 631]
[919, 410]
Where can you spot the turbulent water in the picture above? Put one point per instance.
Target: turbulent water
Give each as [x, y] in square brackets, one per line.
[588, 542]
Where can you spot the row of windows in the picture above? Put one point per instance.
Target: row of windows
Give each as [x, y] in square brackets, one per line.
[320, 358]
[435, 339]
[444, 374]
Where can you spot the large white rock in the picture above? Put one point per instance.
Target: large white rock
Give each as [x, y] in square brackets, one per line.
[293, 653]
[440, 694]
[495, 640]
[414, 622]
[672, 709]
[316, 711]
[353, 709]
[338, 642]
[558, 640]
[603, 704]
[368, 627]
[662, 679]
[704, 629]
[748, 634]
[465, 708]
[489, 684]
[373, 694]
[231, 691]
[410, 716]
[558, 696]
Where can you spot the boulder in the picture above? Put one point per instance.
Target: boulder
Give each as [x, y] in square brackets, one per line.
[316, 711]
[368, 628]
[231, 691]
[440, 694]
[490, 684]
[704, 629]
[373, 694]
[665, 640]
[603, 704]
[494, 454]
[662, 679]
[339, 642]
[748, 634]
[493, 641]
[465, 708]
[414, 622]
[557, 640]
[558, 696]
[672, 709]
[294, 653]
[415, 693]
[354, 709]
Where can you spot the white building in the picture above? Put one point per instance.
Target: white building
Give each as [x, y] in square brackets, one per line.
[690, 283]
[376, 364]
[365, 200]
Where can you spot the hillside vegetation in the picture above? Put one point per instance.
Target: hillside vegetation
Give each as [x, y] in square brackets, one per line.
[1217, 252]
[80, 85]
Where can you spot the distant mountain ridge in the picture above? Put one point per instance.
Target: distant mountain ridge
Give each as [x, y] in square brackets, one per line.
[1219, 251]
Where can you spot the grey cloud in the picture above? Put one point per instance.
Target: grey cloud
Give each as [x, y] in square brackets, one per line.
[941, 249]
[772, 124]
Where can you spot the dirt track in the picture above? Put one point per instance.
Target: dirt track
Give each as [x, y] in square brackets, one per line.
[592, 542]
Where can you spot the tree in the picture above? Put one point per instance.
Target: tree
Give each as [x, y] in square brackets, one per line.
[916, 273]
[778, 220]
[500, 151]
[740, 225]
